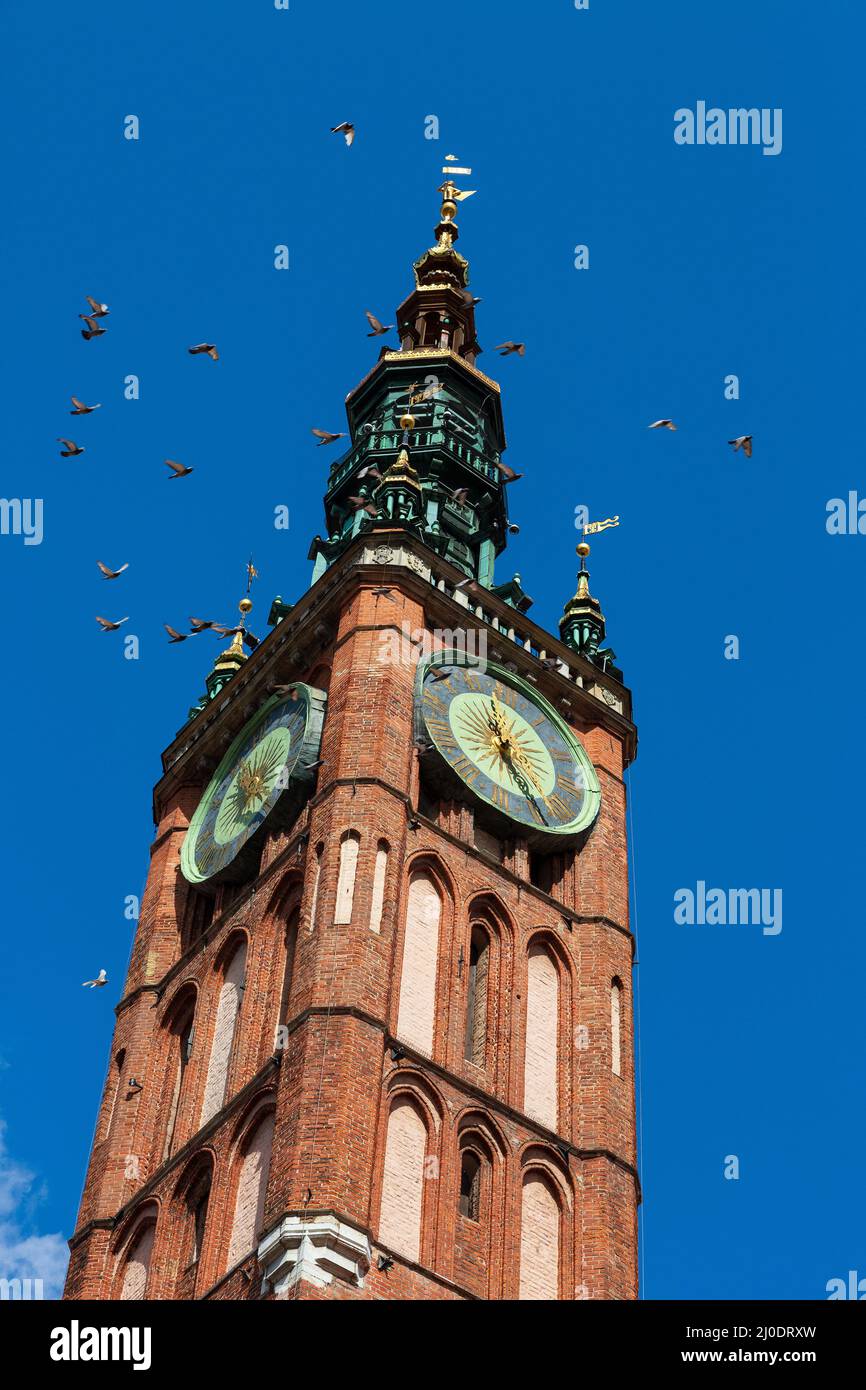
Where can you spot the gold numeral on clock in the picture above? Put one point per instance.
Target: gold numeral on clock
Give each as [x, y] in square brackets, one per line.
[568, 786]
[441, 731]
[499, 797]
[465, 769]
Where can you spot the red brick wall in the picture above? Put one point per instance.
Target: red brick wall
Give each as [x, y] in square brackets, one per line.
[333, 1083]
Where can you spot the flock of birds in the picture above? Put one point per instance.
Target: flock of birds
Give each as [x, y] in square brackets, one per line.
[743, 441]
[96, 329]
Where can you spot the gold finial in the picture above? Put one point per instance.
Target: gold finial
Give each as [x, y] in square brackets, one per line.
[235, 650]
[583, 549]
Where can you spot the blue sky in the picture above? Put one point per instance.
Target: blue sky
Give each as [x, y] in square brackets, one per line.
[704, 261]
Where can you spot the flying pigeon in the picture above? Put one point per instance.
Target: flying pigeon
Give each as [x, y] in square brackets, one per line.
[71, 449]
[508, 474]
[346, 129]
[325, 438]
[662, 425]
[174, 635]
[363, 504]
[206, 348]
[111, 574]
[108, 626]
[93, 330]
[744, 442]
[370, 472]
[203, 624]
[249, 640]
[98, 310]
[178, 470]
[378, 328]
[101, 979]
[81, 408]
[505, 349]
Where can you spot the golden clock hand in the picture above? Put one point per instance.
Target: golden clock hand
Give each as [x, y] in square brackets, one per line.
[519, 757]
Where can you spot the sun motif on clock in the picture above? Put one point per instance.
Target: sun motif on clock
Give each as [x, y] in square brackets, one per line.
[259, 778]
[507, 744]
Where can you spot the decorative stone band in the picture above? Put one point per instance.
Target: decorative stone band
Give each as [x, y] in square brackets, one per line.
[318, 1249]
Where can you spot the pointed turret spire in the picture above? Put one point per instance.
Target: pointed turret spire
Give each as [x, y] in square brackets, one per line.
[582, 625]
[230, 661]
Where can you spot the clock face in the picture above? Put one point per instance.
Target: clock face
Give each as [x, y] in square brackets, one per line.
[509, 746]
[267, 758]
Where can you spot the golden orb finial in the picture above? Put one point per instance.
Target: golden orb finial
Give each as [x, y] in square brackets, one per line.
[583, 549]
[407, 421]
[245, 605]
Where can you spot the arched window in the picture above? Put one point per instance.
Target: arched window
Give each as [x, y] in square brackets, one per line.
[198, 1200]
[540, 1223]
[116, 1083]
[346, 881]
[417, 1007]
[252, 1186]
[199, 915]
[289, 967]
[616, 1027]
[469, 1204]
[475, 1049]
[379, 874]
[403, 1179]
[542, 1037]
[317, 874]
[181, 1041]
[224, 1034]
[137, 1263]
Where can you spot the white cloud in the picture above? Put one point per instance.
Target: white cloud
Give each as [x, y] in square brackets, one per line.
[24, 1254]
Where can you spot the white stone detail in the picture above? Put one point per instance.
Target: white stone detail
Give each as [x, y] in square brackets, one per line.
[319, 1250]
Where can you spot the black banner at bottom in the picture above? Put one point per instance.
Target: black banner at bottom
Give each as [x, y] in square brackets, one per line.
[68, 1339]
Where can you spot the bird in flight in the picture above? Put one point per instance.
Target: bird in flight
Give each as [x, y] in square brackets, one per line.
[174, 635]
[508, 474]
[506, 349]
[203, 624]
[459, 495]
[70, 450]
[108, 626]
[207, 348]
[81, 408]
[93, 329]
[97, 310]
[111, 574]
[662, 425]
[370, 472]
[744, 442]
[378, 328]
[179, 470]
[346, 129]
[363, 504]
[101, 979]
[249, 639]
[324, 437]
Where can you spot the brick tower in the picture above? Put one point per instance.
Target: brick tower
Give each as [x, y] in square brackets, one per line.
[376, 1039]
